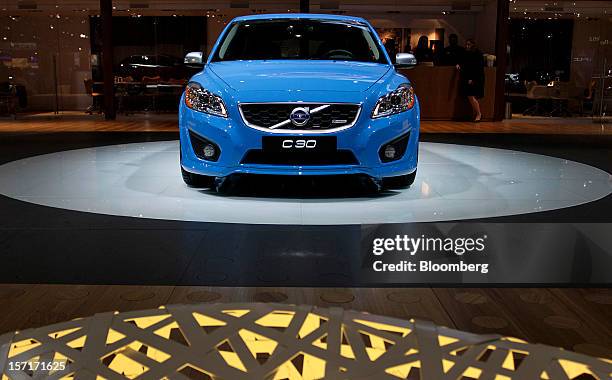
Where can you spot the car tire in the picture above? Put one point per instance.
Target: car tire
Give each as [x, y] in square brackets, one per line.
[197, 180]
[399, 182]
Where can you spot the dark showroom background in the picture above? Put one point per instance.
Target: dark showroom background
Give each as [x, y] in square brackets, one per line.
[52, 51]
[79, 76]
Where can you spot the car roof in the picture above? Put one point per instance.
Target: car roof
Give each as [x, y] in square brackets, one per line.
[151, 55]
[316, 16]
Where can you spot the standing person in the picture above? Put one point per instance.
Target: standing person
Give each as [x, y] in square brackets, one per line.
[390, 47]
[472, 76]
[453, 53]
[438, 51]
[4, 76]
[423, 52]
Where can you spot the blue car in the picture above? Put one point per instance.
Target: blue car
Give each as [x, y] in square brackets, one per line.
[299, 95]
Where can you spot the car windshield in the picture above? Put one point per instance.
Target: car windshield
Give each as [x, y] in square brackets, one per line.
[299, 39]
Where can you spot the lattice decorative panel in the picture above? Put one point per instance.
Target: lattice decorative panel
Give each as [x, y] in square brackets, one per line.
[273, 341]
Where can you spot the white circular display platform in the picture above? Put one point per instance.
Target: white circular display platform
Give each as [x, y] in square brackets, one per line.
[453, 182]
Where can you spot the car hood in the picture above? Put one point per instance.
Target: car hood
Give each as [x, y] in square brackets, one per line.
[290, 75]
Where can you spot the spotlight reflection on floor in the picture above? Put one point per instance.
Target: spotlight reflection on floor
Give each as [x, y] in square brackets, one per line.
[454, 182]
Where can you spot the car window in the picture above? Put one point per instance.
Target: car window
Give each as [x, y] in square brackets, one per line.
[165, 60]
[132, 60]
[148, 60]
[299, 39]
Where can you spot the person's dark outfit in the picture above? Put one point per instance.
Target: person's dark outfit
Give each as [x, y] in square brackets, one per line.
[438, 52]
[390, 47]
[472, 68]
[423, 54]
[452, 55]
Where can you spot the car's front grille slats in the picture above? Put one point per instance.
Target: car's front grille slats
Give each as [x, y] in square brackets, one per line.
[267, 115]
[261, 157]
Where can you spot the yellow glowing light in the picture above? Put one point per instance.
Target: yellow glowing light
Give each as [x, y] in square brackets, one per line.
[502, 377]
[22, 346]
[311, 323]
[145, 322]
[259, 345]
[345, 348]
[513, 339]
[402, 371]
[126, 366]
[472, 372]
[302, 366]
[411, 351]
[61, 334]
[322, 343]
[447, 365]
[230, 356]
[206, 321]
[236, 313]
[378, 346]
[244, 341]
[77, 343]
[276, 319]
[446, 340]
[113, 336]
[510, 359]
[385, 327]
[573, 369]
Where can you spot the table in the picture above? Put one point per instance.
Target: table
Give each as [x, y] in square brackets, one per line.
[145, 96]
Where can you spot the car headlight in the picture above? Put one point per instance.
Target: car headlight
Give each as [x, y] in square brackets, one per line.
[200, 99]
[396, 101]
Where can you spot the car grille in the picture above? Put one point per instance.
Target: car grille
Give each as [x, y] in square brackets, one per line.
[266, 115]
[339, 157]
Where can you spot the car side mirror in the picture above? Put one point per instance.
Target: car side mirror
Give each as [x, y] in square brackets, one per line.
[195, 58]
[405, 61]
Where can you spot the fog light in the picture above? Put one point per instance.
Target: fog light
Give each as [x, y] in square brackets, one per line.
[203, 148]
[209, 151]
[390, 152]
[395, 149]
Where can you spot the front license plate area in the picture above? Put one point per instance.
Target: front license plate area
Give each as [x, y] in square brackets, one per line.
[299, 144]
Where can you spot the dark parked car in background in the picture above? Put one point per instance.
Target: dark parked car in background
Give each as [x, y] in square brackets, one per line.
[161, 67]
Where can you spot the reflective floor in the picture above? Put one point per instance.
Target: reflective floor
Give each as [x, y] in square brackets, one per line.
[454, 182]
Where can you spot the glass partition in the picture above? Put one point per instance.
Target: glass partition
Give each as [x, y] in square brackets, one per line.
[149, 69]
[560, 62]
[46, 58]
[52, 52]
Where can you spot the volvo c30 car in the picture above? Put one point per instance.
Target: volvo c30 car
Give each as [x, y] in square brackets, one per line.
[299, 94]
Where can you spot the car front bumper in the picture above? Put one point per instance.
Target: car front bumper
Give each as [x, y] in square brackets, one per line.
[235, 139]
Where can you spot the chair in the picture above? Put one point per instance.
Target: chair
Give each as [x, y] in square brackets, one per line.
[95, 102]
[8, 99]
[587, 100]
[537, 94]
[560, 97]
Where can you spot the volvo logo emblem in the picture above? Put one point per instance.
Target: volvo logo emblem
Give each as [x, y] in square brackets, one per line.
[300, 116]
